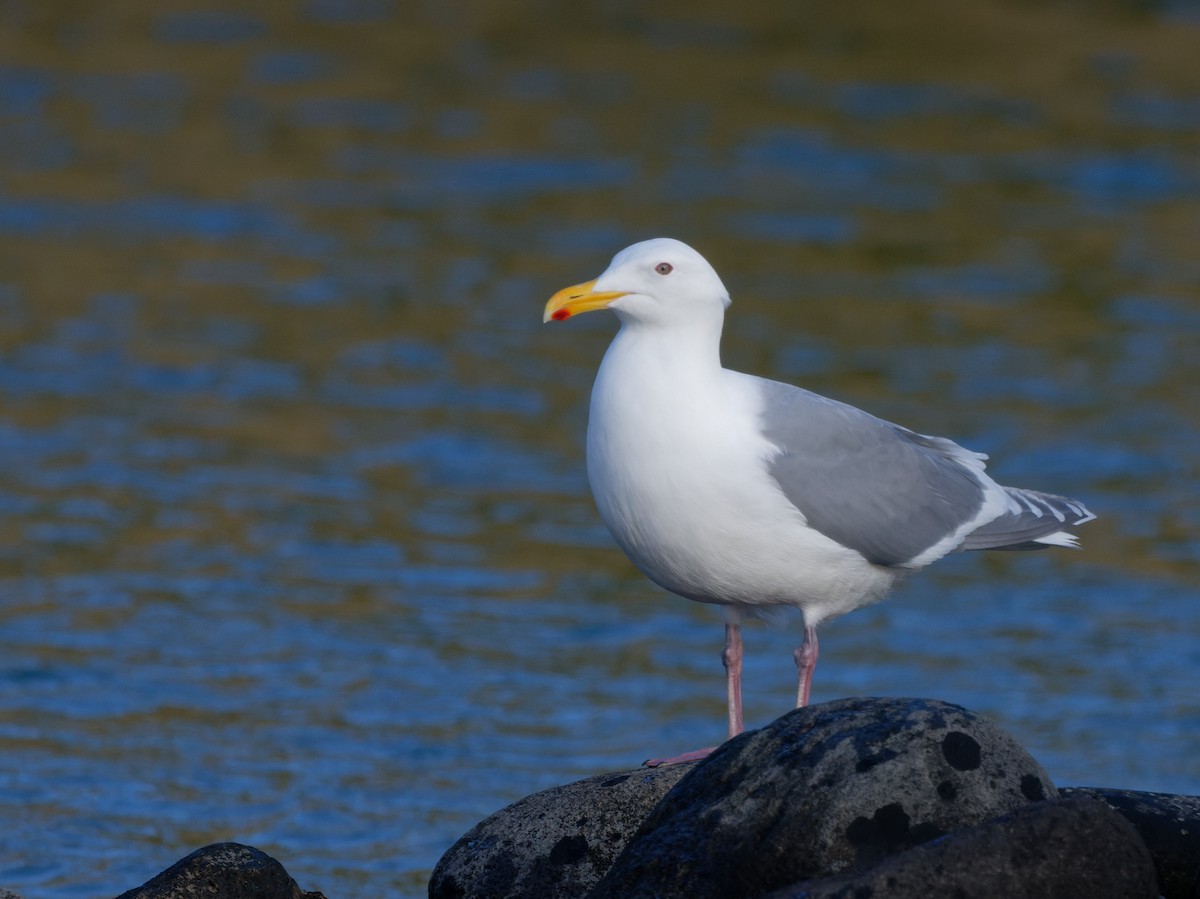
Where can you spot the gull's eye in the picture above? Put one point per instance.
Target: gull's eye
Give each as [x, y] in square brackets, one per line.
[664, 268]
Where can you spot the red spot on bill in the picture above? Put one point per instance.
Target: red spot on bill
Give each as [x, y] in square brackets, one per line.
[560, 315]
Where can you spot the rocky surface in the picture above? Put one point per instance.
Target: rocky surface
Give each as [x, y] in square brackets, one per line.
[825, 789]
[1074, 848]
[223, 871]
[557, 843]
[862, 797]
[1170, 827]
[857, 798]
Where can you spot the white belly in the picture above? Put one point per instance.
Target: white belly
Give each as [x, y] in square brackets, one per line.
[679, 474]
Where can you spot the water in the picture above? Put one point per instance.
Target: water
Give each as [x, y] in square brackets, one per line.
[296, 544]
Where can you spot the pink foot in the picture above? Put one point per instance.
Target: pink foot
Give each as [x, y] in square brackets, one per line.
[676, 759]
[731, 657]
[806, 662]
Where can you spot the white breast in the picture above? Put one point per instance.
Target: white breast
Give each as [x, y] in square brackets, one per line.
[676, 461]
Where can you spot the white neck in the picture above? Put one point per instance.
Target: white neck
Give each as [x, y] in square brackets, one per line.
[682, 352]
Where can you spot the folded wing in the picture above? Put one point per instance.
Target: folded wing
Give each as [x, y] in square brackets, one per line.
[899, 498]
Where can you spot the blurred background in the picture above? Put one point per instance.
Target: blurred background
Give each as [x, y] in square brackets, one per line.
[296, 545]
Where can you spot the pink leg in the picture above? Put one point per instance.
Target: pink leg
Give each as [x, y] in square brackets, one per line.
[731, 658]
[806, 661]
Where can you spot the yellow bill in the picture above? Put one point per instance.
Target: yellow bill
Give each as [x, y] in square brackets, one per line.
[577, 299]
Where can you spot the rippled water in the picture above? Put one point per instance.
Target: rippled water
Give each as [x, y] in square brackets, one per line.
[297, 548]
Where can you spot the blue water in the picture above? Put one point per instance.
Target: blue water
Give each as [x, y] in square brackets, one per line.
[296, 547]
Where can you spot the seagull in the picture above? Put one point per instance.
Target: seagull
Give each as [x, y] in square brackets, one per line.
[755, 495]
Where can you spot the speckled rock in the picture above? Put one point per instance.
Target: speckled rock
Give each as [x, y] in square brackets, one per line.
[556, 843]
[8, 894]
[1170, 827]
[1061, 849]
[223, 871]
[827, 789]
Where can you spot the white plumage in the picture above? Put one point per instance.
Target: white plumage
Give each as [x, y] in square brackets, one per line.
[736, 490]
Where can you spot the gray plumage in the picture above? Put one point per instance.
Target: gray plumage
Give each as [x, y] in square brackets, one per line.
[889, 493]
[753, 494]
[1039, 514]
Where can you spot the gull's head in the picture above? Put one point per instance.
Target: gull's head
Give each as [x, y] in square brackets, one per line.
[656, 281]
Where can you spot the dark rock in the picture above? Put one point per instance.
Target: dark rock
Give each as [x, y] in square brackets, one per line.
[1170, 827]
[223, 871]
[8, 894]
[1061, 849]
[557, 843]
[827, 789]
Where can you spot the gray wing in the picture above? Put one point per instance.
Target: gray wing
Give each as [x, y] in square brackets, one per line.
[870, 485]
[1029, 521]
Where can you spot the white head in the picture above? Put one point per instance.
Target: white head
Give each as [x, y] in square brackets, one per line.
[661, 281]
